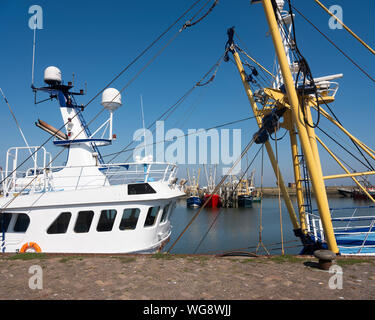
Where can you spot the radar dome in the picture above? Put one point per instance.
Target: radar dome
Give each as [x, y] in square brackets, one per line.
[111, 99]
[52, 75]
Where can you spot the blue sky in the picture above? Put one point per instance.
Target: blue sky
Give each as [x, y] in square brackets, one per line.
[96, 39]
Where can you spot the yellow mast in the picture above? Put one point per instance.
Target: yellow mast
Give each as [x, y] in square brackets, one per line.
[271, 155]
[297, 116]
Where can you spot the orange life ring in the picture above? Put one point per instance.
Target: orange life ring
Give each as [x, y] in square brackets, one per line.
[30, 245]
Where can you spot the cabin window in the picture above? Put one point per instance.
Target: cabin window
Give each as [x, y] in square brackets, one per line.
[83, 222]
[140, 188]
[129, 219]
[151, 216]
[106, 220]
[60, 225]
[5, 218]
[165, 213]
[22, 223]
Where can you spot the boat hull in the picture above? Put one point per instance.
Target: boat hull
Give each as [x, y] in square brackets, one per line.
[133, 224]
[245, 201]
[194, 202]
[213, 202]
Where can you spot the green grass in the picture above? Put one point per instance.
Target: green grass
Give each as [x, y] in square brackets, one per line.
[350, 261]
[286, 258]
[70, 258]
[28, 256]
[164, 256]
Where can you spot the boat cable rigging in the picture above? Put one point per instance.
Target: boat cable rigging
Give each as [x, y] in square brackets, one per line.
[187, 134]
[221, 209]
[260, 224]
[85, 126]
[279, 194]
[166, 114]
[346, 28]
[335, 45]
[216, 189]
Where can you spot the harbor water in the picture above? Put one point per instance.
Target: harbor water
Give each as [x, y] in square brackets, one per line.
[220, 230]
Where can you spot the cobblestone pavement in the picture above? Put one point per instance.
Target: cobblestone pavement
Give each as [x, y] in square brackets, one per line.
[186, 277]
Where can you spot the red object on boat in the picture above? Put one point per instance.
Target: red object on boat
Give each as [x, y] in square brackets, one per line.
[214, 202]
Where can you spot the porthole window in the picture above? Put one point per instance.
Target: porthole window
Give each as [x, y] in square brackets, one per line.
[106, 220]
[83, 221]
[129, 219]
[151, 216]
[60, 225]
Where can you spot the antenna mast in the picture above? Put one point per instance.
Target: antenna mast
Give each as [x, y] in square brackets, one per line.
[32, 68]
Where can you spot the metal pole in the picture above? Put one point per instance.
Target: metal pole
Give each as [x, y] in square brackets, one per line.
[315, 174]
[284, 191]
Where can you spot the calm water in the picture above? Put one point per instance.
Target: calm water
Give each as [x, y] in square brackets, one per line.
[239, 228]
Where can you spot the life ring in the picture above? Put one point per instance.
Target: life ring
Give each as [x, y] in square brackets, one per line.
[30, 247]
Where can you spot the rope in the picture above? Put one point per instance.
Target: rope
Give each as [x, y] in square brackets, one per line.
[279, 197]
[190, 24]
[346, 28]
[114, 79]
[214, 191]
[260, 234]
[341, 51]
[221, 210]
[170, 110]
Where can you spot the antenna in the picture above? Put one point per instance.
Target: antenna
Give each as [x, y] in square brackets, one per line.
[143, 124]
[32, 68]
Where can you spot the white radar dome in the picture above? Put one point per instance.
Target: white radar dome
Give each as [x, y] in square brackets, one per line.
[111, 99]
[52, 75]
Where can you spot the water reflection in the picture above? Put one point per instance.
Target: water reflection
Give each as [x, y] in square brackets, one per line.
[239, 228]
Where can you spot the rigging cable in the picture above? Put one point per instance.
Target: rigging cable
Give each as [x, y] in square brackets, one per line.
[172, 108]
[114, 79]
[221, 210]
[214, 191]
[330, 41]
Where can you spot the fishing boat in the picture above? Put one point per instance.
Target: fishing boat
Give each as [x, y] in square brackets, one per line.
[210, 197]
[86, 205]
[347, 193]
[244, 194]
[293, 97]
[213, 200]
[193, 200]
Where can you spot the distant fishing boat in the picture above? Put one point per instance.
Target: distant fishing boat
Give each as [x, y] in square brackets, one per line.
[213, 202]
[193, 201]
[345, 192]
[244, 196]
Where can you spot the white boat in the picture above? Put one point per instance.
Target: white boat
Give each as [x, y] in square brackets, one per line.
[86, 206]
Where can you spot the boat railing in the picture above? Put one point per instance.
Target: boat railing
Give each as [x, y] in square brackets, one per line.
[354, 233]
[59, 178]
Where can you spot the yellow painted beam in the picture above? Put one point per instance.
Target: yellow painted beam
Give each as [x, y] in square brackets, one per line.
[345, 169]
[348, 175]
[271, 155]
[346, 27]
[316, 175]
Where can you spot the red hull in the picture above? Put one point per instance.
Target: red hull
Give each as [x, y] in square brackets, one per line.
[214, 202]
